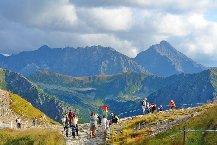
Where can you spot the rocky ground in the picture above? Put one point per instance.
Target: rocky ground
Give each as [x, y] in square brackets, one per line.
[7, 116]
[85, 139]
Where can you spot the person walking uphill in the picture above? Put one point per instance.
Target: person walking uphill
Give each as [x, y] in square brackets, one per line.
[70, 116]
[144, 104]
[172, 104]
[75, 124]
[93, 124]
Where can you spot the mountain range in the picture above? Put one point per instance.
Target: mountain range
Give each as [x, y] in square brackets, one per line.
[160, 59]
[84, 79]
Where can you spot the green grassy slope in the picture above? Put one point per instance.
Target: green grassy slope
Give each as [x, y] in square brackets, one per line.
[18, 84]
[25, 109]
[205, 121]
[31, 137]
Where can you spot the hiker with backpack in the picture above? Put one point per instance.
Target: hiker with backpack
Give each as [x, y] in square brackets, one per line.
[70, 116]
[153, 108]
[144, 104]
[93, 124]
[172, 105]
[114, 119]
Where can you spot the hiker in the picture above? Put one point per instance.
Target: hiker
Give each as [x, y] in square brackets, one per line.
[104, 124]
[75, 123]
[18, 121]
[153, 108]
[144, 104]
[66, 127]
[74, 129]
[34, 122]
[160, 109]
[99, 119]
[114, 119]
[70, 116]
[147, 108]
[172, 105]
[93, 124]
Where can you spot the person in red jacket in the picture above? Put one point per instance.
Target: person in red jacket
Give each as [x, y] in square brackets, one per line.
[172, 104]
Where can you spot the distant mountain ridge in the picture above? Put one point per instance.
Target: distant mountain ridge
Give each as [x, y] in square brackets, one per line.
[88, 61]
[128, 89]
[164, 60]
[188, 89]
[160, 59]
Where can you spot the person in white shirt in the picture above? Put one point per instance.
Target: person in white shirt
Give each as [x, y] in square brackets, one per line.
[144, 104]
[104, 124]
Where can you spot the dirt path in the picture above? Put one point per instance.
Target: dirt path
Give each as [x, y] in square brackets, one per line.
[84, 137]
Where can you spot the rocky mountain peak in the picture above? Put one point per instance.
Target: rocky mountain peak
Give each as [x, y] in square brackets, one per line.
[164, 60]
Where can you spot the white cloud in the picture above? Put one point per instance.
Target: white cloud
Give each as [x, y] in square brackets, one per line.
[126, 25]
[123, 46]
[111, 19]
[56, 14]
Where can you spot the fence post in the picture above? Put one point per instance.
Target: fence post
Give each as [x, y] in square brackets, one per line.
[184, 136]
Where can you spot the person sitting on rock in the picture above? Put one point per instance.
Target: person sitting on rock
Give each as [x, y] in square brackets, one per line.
[114, 118]
[172, 105]
[160, 109]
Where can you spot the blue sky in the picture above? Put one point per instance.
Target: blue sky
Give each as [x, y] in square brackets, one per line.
[129, 26]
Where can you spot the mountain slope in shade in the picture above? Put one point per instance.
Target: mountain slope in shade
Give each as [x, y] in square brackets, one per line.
[18, 84]
[86, 61]
[164, 60]
[188, 89]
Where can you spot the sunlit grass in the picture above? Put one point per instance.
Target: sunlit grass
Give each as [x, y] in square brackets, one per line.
[34, 136]
[25, 109]
[127, 131]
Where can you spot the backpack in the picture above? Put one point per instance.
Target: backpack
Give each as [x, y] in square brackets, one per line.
[144, 103]
[71, 114]
[117, 118]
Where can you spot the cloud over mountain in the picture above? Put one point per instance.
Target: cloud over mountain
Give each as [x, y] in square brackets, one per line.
[128, 26]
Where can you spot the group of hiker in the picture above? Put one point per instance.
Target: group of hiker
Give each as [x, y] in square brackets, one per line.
[70, 120]
[151, 108]
[20, 123]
